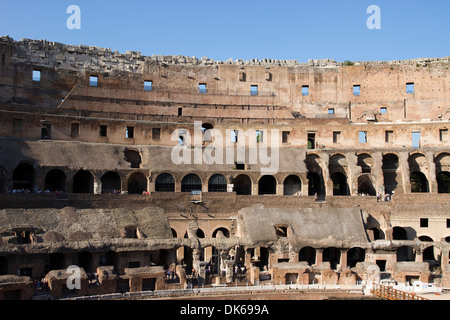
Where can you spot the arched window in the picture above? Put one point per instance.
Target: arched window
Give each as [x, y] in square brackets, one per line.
[419, 183]
[23, 177]
[243, 185]
[165, 183]
[217, 183]
[267, 185]
[292, 185]
[111, 182]
[83, 182]
[220, 233]
[340, 186]
[190, 183]
[55, 180]
[137, 183]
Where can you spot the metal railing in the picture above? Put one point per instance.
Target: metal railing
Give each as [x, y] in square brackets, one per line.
[389, 293]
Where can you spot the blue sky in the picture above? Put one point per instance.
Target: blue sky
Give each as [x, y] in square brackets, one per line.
[245, 29]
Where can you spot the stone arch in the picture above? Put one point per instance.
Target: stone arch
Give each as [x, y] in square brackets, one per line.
[217, 183]
[355, 255]
[316, 182]
[365, 185]
[83, 182]
[428, 252]
[165, 183]
[267, 185]
[133, 157]
[333, 256]
[419, 182]
[111, 182]
[55, 180]
[390, 167]
[366, 162]
[340, 184]
[24, 177]
[399, 233]
[307, 254]
[292, 185]
[137, 183]
[221, 232]
[191, 182]
[338, 163]
[174, 233]
[243, 185]
[443, 182]
[207, 129]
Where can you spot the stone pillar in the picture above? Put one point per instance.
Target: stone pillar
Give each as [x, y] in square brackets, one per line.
[326, 174]
[97, 184]
[352, 171]
[377, 171]
[433, 187]
[444, 258]
[319, 256]
[419, 256]
[405, 172]
[343, 262]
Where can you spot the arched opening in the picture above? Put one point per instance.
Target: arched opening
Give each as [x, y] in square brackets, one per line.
[443, 182]
[133, 157]
[355, 255]
[190, 183]
[111, 183]
[243, 185]
[165, 183]
[377, 234]
[405, 253]
[137, 183]
[212, 256]
[340, 185]
[419, 183]
[390, 166]
[292, 185]
[260, 257]
[307, 254]
[399, 233]
[365, 185]
[23, 177]
[174, 233]
[55, 180]
[333, 256]
[316, 184]
[366, 162]
[217, 183]
[85, 261]
[267, 185]
[83, 182]
[428, 253]
[221, 233]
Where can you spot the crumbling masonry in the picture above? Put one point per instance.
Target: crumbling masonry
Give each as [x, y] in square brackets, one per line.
[87, 176]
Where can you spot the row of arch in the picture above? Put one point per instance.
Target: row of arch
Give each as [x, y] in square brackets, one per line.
[83, 180]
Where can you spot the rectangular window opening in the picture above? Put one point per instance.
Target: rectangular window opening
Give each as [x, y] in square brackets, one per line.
[46, 131]
[156, 133]
[443, 135]
[383, 110]
[254, 90]
[311, 141]
[424, 222]
[202, 88]
[234, 136]
[330, 110]
[305, 91]
[416, 140]
[356, 90]
[180, 112]
[259, 136]
[336, 136]
[74, 130]
[410, 87]
[148, 85]
[93, 81]
[389, 136]
[36, 76]
[448, 223]
[286, 136]
[103, 131]
[362, 137]
[130, 133]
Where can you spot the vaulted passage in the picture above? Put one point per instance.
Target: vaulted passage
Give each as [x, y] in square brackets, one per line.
[267, 185]
[419, 183]
[355, 255]
[111, 182]
[217, 183]
[243, 185]
[55, 180]
[292, 185]
[365, 185]
[23, 177]
[165, 183]
[340, 186]
[332, 255]
[83, 182]
[443, 181]
[307, 254]
[190, 183]
[137, 183]
[316, 184]
[390, 166]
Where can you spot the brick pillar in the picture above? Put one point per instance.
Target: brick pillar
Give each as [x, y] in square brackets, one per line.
[343, 261]
[432, 173]
[319, 256]
[444, 258]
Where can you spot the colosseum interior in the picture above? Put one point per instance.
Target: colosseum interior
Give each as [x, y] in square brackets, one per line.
[163, 172]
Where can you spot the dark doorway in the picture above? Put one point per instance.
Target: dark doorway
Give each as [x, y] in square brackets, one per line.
[332, 255]
[217, 183]
[111, 182]
[23, 177]
[292, 185]
[307, 254]
[137, 183]
[243, 185]
[165, 183]
[267, 185]
[419, 183]
[55, 180]
[340, 185]
[443, 181]
[83, 182]
[365, 186]
[190, 183]
[316, 184]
